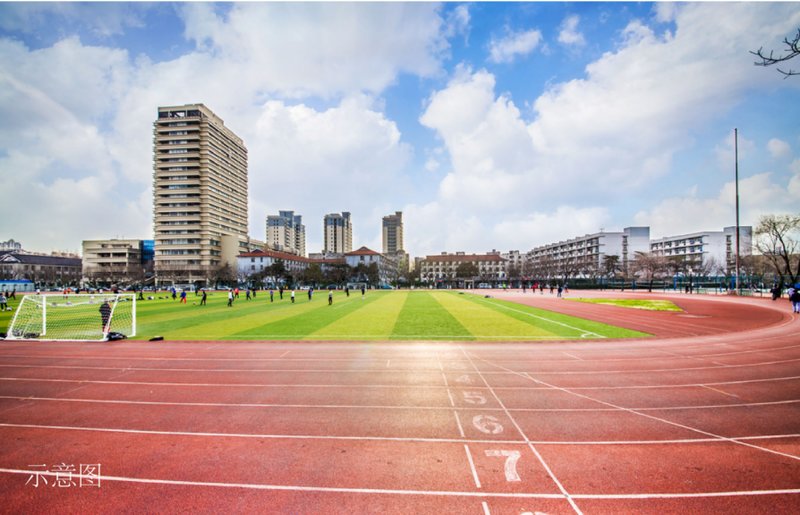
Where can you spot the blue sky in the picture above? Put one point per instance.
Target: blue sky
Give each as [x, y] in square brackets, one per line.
[490, 125]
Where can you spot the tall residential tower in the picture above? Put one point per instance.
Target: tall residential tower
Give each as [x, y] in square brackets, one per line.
[338, 233]
[199, 194]
[286, 233]
[393, 233]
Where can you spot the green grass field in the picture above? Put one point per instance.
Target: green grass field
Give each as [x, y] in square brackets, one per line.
[381, 315]
[651, 305]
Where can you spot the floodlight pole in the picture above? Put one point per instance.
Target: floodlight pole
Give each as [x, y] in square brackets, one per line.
[736, 158]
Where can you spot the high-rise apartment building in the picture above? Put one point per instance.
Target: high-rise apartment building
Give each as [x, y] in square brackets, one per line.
[393, 233]
[337, 233]
[199, 194]
[286, 233]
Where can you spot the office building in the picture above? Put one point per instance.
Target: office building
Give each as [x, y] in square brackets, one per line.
[286, 233]
[337, 233]
[199, 194]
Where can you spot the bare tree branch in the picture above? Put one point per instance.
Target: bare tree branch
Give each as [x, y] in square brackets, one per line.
[769, 60]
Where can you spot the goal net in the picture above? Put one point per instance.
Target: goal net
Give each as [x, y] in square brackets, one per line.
[82, 317]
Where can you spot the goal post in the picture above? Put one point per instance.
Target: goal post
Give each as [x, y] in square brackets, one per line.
[74, 317]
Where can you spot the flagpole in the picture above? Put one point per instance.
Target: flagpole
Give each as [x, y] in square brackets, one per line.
[736, 155]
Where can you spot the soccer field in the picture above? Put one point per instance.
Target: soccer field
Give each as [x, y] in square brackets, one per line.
[380, 315]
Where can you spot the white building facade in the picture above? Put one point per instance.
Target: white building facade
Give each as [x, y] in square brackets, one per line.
[582, 255]
[713, 252]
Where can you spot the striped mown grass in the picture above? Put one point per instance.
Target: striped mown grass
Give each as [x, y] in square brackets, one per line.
[382, 315]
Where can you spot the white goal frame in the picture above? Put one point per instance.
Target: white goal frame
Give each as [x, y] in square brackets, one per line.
[33, 326]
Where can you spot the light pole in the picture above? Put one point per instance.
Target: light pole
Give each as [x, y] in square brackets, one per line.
[736, 159]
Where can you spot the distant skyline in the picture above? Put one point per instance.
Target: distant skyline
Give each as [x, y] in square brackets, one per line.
[489, 125]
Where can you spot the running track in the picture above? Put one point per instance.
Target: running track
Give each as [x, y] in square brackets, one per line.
[703, 418]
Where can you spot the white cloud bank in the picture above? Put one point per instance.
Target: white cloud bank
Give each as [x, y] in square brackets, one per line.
[597, 140]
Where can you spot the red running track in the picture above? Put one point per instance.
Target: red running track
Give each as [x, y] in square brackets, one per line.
[704, 417]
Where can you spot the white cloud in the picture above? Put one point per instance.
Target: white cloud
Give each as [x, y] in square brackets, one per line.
[601, 139]
[569, 34]
[320, 49]
[779, 148]
[515, 44]
[346, 158]
[758, 195]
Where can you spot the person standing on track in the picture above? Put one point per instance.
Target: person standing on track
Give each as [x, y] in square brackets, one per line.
[794, 297]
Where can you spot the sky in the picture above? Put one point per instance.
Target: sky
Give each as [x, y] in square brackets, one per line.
[489, 125]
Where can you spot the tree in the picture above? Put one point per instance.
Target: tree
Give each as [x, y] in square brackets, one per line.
[778, 240]
[649, 266]
[793, 50]
[312, 275]
[224, 274]
[467, 270]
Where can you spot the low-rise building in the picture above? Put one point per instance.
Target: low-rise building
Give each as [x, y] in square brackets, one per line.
[585, 255]
[709, 252]
[387, 264]
[443, 268]
[46, 271]
[115, 260]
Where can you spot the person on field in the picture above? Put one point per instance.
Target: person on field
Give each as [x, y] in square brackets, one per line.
[174, 293]
[230, 298]
[203, 298]
[271, 295]
[183, 297]
[347, 290]
[560, 289]
[330, 297]
[310, 291]
[363, 291]
[248, 294]
[292, 296]
[236, 292]
[3, 301]
[105, 315]
[280, 292]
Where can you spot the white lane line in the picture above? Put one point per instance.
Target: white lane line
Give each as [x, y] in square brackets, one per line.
[394, 439]
[375, 370]
[524, 436]
[281, 356]
[390, 407]
[720, 391]
[380, 386]
[652, 417]
[572, 356]
[458, 422]
[433, 493]
[486, 508]
[472, 467]
[583, 332]
[347, 360]
[388, 362]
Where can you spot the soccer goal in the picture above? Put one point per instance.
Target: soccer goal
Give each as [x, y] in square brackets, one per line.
[84, 317]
